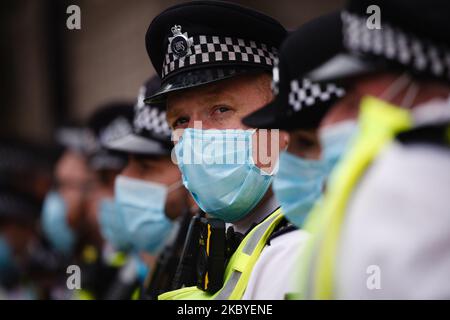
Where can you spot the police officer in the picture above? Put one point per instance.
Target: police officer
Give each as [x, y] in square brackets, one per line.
[152, 206]
[215, 61]
[85, 180]
[28, 265]
[394, 242]
[64, 203]
[379, 93]
[102, 261]
[298, 107]
[108, 122]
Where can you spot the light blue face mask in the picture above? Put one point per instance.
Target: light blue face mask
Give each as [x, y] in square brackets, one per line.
[335, 140]
[6, 258]
[297, 186]
[111, 225]
[218, 169]
[141, 209]
[54, 223]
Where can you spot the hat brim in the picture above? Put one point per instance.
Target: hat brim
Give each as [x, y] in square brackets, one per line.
[275, 115]
[134, 144]
[339, 68]
[265, 118]
[197, 77]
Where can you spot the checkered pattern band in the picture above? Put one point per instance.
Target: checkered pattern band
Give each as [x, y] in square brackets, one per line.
[308, 93]
[275, 84]
[117, 129]
[395, 45]
[215, 49]
[151, 120]
[148, 119]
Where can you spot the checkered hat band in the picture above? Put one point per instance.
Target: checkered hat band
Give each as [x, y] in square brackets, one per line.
[395, 45]
[305, 93]
[215, 49]
[151, 121]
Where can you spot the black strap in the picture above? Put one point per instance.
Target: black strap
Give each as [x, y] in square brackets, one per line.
[282, 228]
[435, 134]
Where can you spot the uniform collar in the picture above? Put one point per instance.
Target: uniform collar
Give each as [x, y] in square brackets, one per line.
[256, 216]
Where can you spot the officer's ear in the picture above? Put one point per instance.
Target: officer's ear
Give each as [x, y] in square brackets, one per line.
[284, 139]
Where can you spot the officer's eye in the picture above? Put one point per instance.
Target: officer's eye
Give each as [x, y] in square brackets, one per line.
[305, 142]
[180, 122]
[221, 109]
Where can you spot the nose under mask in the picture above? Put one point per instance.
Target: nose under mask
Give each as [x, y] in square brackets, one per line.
[218, 169]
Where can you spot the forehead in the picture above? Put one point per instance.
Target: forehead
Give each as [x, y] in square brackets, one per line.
[202, 94]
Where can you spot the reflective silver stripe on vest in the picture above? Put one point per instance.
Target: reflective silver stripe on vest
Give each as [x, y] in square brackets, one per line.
[248, 249]
[226, 291]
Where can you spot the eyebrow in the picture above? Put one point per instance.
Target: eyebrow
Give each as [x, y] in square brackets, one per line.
[173, 112]
[209, 96]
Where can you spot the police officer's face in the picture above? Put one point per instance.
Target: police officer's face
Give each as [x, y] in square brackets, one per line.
[73, 179]
[102, 188]
[348, 107]
[222, 105]
[305, 144]
[160, 170]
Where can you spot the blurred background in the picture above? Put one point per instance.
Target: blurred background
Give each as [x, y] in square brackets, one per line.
[51, 75]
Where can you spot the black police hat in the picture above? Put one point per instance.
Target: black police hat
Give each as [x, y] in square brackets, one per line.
[109, 122]
[151, 134]
[300, 102]
[205, 41]
[414, 35]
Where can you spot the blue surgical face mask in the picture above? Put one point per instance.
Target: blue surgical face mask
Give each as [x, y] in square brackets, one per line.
[335, 141]
[6, 258]
[111, 225]
[218, 169]
[54, 223]
[141, 209]
[297, 186]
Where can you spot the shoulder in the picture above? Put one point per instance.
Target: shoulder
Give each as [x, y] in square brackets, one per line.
[396, 214]
[273, 274]
[285, 241]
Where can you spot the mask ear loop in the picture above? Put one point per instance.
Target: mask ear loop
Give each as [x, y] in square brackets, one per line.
[410, 96]
[396, 87]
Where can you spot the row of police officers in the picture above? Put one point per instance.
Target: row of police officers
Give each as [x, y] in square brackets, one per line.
[266, 164]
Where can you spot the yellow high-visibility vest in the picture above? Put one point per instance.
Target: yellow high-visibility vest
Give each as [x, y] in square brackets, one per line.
[239, 268]
[379, 122]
